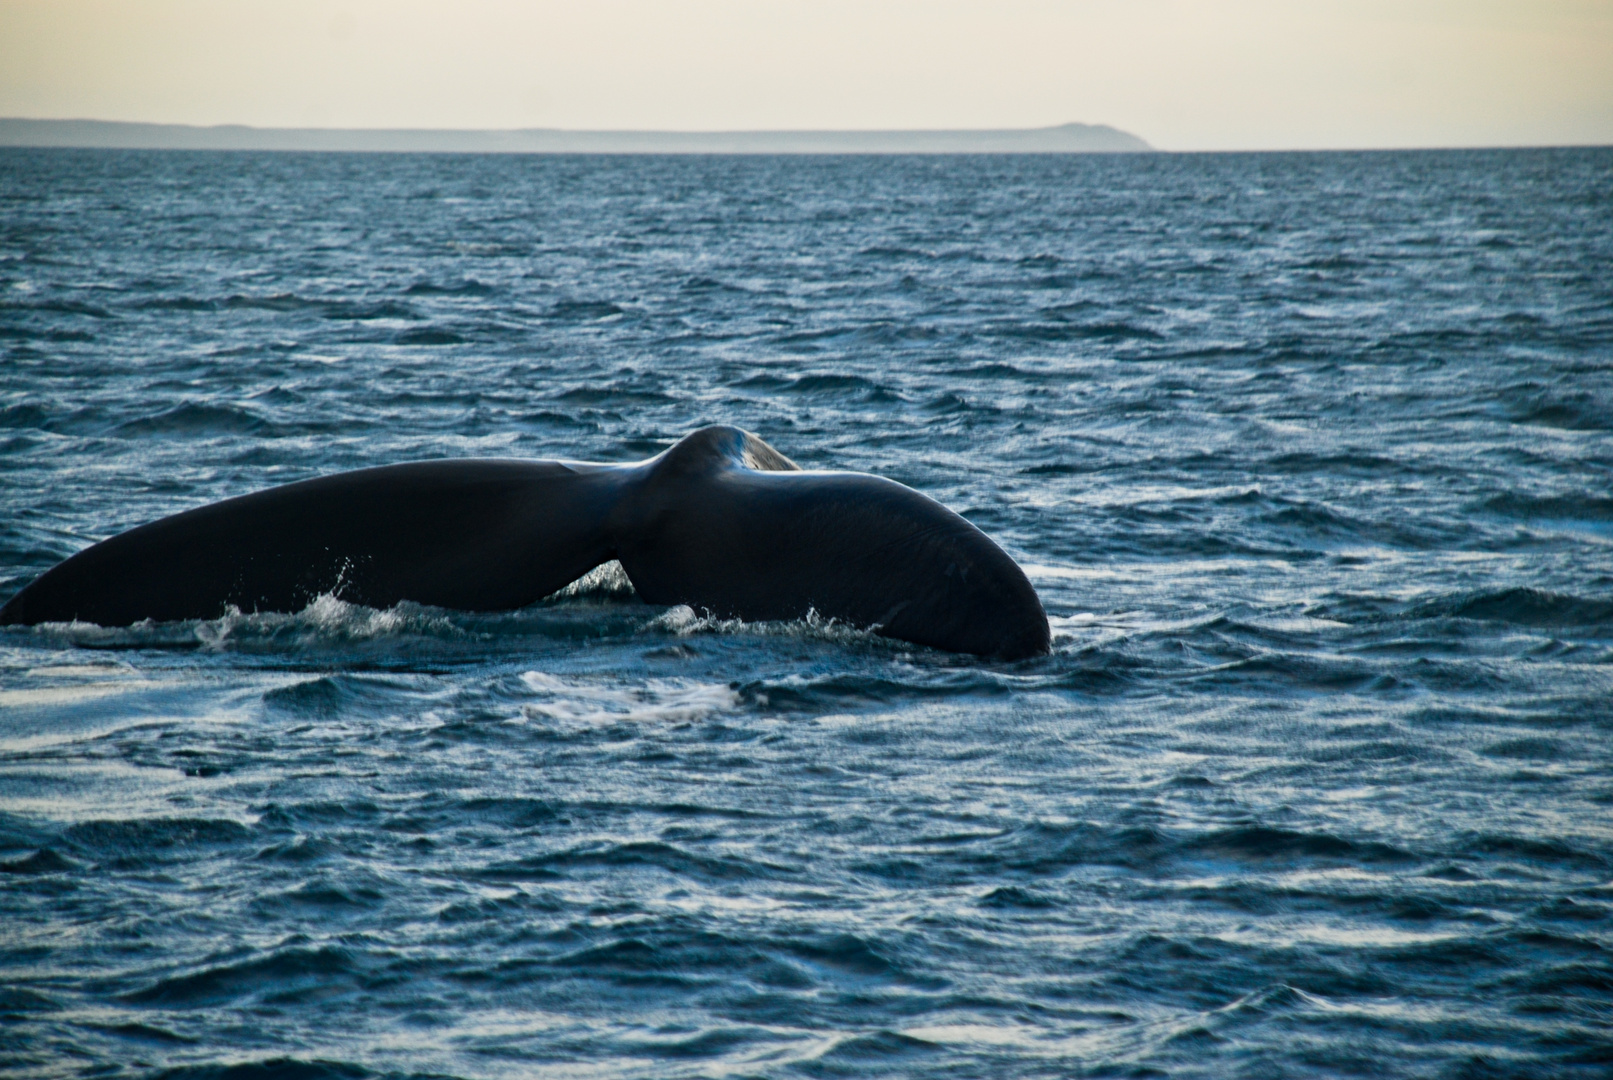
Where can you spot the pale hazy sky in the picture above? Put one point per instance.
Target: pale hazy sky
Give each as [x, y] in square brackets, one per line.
[1183, 74]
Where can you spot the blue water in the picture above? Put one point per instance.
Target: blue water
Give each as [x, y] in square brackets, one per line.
[1310, 457]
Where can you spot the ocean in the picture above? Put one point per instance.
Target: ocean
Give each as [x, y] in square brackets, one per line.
[1309, 456]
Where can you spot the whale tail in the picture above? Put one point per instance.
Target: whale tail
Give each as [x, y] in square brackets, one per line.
[726, 523]
[721, 521]
[472, 535]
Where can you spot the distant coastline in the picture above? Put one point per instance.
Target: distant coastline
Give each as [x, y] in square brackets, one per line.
[1063, 139]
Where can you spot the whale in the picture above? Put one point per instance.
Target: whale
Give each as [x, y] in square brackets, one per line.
[720, 521]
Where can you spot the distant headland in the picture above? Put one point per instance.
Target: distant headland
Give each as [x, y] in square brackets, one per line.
[1063, 139]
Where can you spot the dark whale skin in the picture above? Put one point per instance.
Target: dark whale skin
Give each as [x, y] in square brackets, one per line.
[721, 522]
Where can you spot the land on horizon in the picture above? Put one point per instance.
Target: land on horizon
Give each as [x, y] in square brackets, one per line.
[111, 134]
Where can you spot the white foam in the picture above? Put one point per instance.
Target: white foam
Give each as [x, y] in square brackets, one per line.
[684, 621]
[326, 616]
[588, 702]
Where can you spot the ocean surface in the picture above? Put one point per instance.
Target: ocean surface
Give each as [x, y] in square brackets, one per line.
[1310, 457]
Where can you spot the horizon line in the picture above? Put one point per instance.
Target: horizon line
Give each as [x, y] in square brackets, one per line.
[542, 127]
[1122, 141]
[127, 134]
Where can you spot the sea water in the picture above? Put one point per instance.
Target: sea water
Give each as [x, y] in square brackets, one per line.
[1310, 457]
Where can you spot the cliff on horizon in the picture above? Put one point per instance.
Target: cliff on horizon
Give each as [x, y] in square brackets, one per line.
[1063, 139]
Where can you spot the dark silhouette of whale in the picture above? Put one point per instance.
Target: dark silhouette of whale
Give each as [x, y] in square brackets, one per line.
[721, 522]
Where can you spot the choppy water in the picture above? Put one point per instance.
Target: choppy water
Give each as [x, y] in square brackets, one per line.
[1310, 457]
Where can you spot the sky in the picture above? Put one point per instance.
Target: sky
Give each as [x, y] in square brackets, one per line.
[1183, 74]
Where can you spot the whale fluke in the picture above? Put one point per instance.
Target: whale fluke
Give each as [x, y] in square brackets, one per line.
[721, 521]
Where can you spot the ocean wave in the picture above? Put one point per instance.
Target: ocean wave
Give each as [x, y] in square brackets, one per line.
[282, 973]
[14, 332]
[176, 303]
[833, 384]
[585, 310]
[1534, 850]
[1519, 606]
[634, 856]
[1303, 670]
[1584, 507]
[1582, 412]
[24, 415]
[462, 287]
[58, 307]
[44, 861]
[1346, 462]
[328, 696]
[429, 335]
[276, 302]
[277, 1068]
[141, 844]
[847, 690]
[1058, 331]
[613, 395]
[367, 312]
[1257, 842]
[197, 418]
[146, 834]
